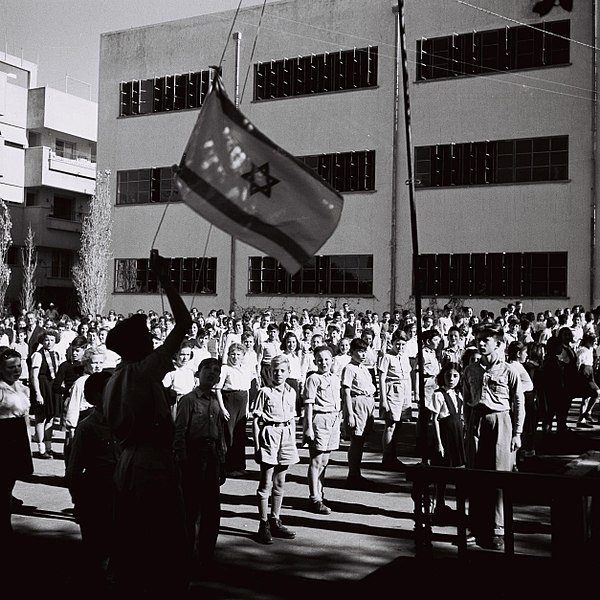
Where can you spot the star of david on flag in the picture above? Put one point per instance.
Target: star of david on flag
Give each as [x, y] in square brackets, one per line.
[238, 179]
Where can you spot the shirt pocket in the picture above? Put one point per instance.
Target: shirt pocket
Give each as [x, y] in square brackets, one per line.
[498, 384]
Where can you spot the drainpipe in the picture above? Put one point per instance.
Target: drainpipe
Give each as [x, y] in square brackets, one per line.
[237, 36]
[594, 158]
[395, 158]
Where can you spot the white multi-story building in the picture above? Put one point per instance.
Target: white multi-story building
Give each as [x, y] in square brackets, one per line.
[47, 175]
[504, 130]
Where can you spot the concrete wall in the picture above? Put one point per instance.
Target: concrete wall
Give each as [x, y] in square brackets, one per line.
[342, 121]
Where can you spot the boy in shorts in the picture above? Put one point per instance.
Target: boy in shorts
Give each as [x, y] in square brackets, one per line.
[274, 432]
[322, 404]
[359, 404]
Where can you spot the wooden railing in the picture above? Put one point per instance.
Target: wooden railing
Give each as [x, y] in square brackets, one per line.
[574, 498]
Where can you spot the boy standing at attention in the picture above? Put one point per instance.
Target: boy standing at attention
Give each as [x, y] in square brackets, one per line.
[359, 404]
[492, 391]
[274, 432]
[322, 407]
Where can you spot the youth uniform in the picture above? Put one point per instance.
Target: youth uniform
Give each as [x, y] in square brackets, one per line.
[322, 390]
[275, 410]
[398, 388]
[358, 380]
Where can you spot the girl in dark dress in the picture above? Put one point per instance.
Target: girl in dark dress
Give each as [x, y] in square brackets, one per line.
[45, 405]
[446, 410]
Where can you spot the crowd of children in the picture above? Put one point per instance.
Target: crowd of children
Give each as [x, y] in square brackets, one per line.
[324, 374]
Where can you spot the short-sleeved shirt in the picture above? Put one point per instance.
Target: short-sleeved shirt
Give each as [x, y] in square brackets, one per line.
[233, 378]
[358, 380]
[323, 391]
[437, 403]
[275, 404]
[497, 387]
[395, 366]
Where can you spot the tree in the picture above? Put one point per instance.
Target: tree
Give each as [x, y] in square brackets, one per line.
[5, 243]
[29, 261]
[90, 275]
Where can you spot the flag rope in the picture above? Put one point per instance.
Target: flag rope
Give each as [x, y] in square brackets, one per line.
[262, 12]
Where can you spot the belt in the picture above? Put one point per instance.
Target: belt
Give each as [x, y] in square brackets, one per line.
[356, 394]
[278, 423]
[325, 412]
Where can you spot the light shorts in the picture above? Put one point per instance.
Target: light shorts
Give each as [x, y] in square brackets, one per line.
[363, 408]
[327, 431]
[278, 445]
[398, 395]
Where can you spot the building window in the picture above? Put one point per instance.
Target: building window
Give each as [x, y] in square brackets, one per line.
[345, 171]
[189, 275]
[341, 275]
[506, 49]
[513, 274]
[489, 162]
[141, 186]
[163, 94]
[62, 262]
[316, 74]
[66, 149]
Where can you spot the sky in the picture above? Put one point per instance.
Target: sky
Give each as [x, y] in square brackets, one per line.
[63, 36]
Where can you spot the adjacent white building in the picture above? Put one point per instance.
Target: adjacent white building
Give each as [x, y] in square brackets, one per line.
[47, 175]
[504, 130]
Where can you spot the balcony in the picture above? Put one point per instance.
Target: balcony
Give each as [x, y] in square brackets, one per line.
[51, 231]
[44, 168]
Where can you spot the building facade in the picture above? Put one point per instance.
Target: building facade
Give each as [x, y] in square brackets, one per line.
[503, 143]
[47, 176]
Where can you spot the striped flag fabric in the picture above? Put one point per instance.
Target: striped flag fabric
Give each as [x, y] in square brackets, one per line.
[238, 179]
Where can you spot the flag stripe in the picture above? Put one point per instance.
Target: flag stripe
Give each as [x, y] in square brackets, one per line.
[231, 211]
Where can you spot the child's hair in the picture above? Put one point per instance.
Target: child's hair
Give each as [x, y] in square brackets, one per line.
[449, 366]
[79, 342]
[399, 335]
[272, 327]
[235, 346]
[468, 355]
[94, 387]
[492, 330]
[49, 333]
[315, 336]
[454, 328]
[90, 353]
[512, 352]
[288, 335]
[536, 351]
[430, 334]
[280, 360]
[551, 322]
[320, 349]
[207, 362]
[358, 344]
[368, 331]
[247, 334]
[202, 332]
[307, 327]
[588, 338]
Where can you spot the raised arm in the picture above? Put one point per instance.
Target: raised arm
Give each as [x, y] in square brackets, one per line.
[183, 319]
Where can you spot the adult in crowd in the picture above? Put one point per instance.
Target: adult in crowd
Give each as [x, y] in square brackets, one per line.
[15, 452]
[149, 554]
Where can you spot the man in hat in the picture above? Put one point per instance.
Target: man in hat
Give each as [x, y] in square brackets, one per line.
[149, 550]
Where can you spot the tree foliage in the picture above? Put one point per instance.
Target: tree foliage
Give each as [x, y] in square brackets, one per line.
[90, 274]
[5, 243]
[29, 262]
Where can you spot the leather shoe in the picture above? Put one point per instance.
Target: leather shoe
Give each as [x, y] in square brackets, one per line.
[279, 530]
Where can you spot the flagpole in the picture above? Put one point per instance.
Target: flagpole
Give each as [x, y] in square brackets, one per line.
[422, 416]
[237, 36]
